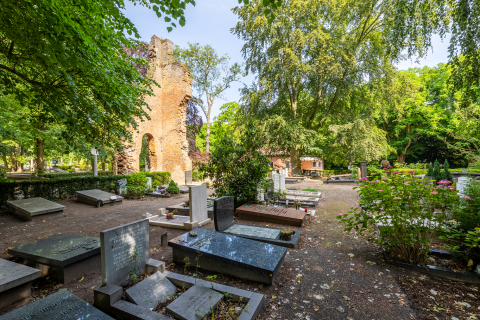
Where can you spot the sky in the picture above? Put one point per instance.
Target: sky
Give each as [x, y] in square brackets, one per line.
[210, 21]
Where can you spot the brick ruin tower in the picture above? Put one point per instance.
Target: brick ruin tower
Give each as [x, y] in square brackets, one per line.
[167, 127]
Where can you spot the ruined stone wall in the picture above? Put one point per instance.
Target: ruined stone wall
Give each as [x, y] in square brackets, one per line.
[166, 130]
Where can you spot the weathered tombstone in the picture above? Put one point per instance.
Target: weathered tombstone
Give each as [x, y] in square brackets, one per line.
[122, 186]
[260, 194]
[150, 291]
[65, 257]
[282, 182]
[32, 208]
[464, 170]
[462, 184]
[278, 182]
[149, 183]
[198, 203]
[97, 197]
[60, 305]
[196, 303]
[15, 281]
[119, 247]
[363, 169]
[188, 177]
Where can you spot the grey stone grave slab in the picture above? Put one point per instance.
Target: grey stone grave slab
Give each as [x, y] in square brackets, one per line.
[28, 209]
[178, 222]
[118, 245]
[97, 197]
[15, 281]
[65, 257]
[196, 303]
[62, 305]
[224, 209]
[150, 291]
[188, 177]
[229, 254]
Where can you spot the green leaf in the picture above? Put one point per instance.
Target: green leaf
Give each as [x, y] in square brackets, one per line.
[167, 19]
[169, 29]
[266, 3]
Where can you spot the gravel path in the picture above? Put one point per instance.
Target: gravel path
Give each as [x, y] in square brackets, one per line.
[331, 275]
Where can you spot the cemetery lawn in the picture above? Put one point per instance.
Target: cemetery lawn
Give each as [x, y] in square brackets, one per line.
[331, 275]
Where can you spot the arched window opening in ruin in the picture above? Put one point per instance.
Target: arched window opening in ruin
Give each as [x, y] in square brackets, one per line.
[148, 158]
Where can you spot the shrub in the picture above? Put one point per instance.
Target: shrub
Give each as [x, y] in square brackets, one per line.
[463, 232]
[161, 177]
[136, 185]
[3, 173]
[73, 174]
[197, 175]
[403, 207]
[237, 169]
[173, 188]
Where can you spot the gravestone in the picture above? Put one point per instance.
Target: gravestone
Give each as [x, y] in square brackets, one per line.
[196, 303]
[220, 252]
[32, 208]
[118, 248]
[122, 186]
[224, 209]
[464, 170]
[278, 182]
[260, 194]
[363, 169]
[150, 291]
[149, 183]
[271, 214]
[188, 177]
[462, 184]
[97, 197]
[198, 203]
[15, 281]
[65, 257]
[61, 305]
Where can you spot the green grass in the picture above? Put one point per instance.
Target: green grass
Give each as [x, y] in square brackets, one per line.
[311, 189]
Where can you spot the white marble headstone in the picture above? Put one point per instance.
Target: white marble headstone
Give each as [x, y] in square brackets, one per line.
[149, 183]
[278, 182]
[198, 203]
[462, 184]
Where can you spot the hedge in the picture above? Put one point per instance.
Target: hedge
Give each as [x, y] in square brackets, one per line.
[73, 174]
[55, 189]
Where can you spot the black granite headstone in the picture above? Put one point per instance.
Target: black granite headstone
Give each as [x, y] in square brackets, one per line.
[223, 210]
[62, 305]
[229, 254]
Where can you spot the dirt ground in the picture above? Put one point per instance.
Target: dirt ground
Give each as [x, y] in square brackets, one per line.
[331, 275]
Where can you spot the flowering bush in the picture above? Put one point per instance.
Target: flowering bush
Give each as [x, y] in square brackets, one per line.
[409, 212]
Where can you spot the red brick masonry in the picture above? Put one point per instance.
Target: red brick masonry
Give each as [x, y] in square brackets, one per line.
[254, 212]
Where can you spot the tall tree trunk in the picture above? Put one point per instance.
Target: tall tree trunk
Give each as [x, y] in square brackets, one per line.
[5, 161]
[296, 162]
[207, 139]
[22, 153]
[40, 161]
[401, 157]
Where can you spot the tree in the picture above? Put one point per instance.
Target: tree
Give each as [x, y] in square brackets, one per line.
[211, 75]
[318, 63]
[64, 59]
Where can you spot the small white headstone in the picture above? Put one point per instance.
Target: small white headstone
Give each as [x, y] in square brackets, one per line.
[113, 198]
[462, 184]
[198, 203]
[146, 215]
[260, 194]
[149, 183]
[162, 211]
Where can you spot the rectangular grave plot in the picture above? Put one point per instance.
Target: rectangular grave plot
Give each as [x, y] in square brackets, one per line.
[237, 256]
[271, 214]
[253, 231]
[118, 247]
[64, 257]
[28, 209]
[196, 303]
[97, 197]
[62, 305]
[15, 281]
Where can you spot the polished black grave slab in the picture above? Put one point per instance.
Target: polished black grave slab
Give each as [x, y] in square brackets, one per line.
[229, 254]
[61, 305]
[64, 256]
[223, 211]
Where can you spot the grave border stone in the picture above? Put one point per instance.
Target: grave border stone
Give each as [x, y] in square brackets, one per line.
[108, 299]
[19, 209]
[102, 197]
